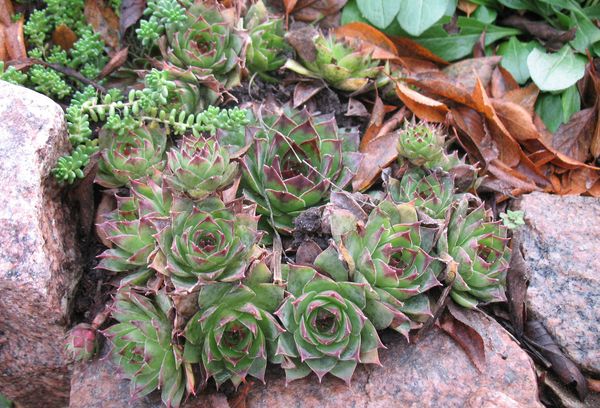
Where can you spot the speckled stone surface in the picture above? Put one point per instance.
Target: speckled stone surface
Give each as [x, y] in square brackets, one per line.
[435, 372]
[96, 385]
[39, 263]
[561, 246]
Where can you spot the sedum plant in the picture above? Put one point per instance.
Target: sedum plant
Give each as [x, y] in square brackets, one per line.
[199, 167]
[326, 329]
[267, 44]
[144, 349]
[293, 163]
[134, 153]
[339, 63]
[480, 249]
[390, 255]
[207, 242]
[132, 227]
[432, 194]
[234, 334]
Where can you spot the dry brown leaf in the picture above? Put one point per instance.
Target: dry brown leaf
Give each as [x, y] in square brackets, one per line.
[422, 106]
[510, 151]
[306, 90]
[370, 35]
[467, 7]
[307, 252]
[6, 12]
[15, 41]
[3, 52]
[524, 97]
[408, 48]
[64, 37]
[465, 73]
[115, 62]
[131, 12]
[313, 10]
[456, 325]
[437, 83]
[574, 138]
[378, 154]
[104, 21]
[502, 82]
[375, 123]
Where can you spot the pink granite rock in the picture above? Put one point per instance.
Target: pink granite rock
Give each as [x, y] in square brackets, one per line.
[96, 385]
[39, 260]
[561, 246]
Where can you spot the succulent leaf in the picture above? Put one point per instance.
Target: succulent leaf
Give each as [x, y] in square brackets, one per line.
[431, 193]
[206, 242]
[82, 343]
[131, 155]
[267, 44]
[479, 247]
[390, 255]
[199, 167]
[340, 63]
[131, 228]
[206, 44]
[143, 346]
[293, 163]
[234, 334]
[326, 330]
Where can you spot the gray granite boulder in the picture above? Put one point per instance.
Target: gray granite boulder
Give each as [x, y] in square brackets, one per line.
[561, 246]
[39, 261]
[434, 372]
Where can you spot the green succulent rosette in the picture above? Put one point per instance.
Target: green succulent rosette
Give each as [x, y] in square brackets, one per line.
[293, 163]
[479, 248]
[131, 155]
[326, 330]
[389, 254]
[199, 167]
[131, 228]
[205, 44]
[207, 242]
[431, 193]
[144, 349]
[235, 334]
[339, 63]
[267, 44]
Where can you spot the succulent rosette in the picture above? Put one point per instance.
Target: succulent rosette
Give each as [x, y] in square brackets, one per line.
[206, 44]
[144, 349]
[479, 247]
[326, 330]
[340, 63]
[423, 145]
[131, 228]
[131, 155]
[292, 164]
[234, 334]
[82, 343]
[431, 193]
[207, 242]
[389, 254]
[267, 44]
[199, 167]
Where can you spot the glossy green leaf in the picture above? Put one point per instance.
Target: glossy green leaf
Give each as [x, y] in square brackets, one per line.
[555, 72]
[549, 108]
[514, 58]
[416, 16]
[379, 12]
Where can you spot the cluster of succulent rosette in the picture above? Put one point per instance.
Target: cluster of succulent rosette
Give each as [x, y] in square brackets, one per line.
[202, 192]
[176, 234]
